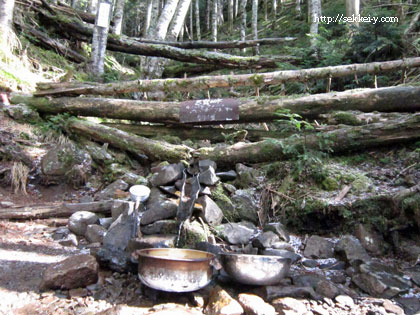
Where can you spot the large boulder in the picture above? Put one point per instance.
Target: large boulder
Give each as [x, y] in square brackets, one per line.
[79, 221]
[352, 250]
[73, 272]
[318, 247]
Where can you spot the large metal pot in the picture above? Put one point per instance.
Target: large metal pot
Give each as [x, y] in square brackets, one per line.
[174, 269]
[255, 269]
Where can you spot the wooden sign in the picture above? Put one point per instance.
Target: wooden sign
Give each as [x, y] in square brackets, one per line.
[209, 111]
[103, 14]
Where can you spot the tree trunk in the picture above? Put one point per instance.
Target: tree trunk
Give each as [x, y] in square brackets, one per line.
[341, 140]
[230, 15]
[6, 19]
[352, 8]
[99, 39]
[148, 17]
[178, 20]
[93, 6]
[185, 132]
[191, 20]
[224, 81]
[208, 14]
[314, 12]
[165, 18]
[255, 24]
[243, 22]
[399, 98]
[265, 10]
[298, 8]
[274, 9]
[118, 16]
[197, 19]
[220, 19]
[154, 150]
[63, 210]
[153, 19]
[214, 13]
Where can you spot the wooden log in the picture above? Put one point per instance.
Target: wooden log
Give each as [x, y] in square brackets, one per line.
[62, 210]
[187, 132]
[341, 140]
[154, 150]
[128, 45]
[258, 109]
[225, 81]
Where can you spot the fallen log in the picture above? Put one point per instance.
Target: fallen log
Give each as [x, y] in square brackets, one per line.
[62, 210]
[341, 140]
[128, 45]
[257, 109]
[154, 150]
[187, 132]
[222, 44]
[225, 81]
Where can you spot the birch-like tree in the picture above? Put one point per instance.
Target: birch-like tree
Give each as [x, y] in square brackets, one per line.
[208, 14]
[165, 18]
[230, 15]
[352, 8]
[254, 23]
[6, 20]
[197, 19]
[298, 8]
[214, 16]
[118, 16]
[191, 21]
[93, 5]
[147, 17]
[243, 21]
[314, 13]
[178, 20]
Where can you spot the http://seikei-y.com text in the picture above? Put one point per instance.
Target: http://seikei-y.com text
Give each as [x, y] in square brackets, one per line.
[341, 18]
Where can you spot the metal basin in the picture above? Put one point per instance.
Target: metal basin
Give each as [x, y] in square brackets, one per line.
[174, 269]
[255, 269]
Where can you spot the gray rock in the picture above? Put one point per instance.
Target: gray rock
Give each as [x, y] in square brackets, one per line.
[6, 204]
[220, 302]
[161, 227]
[134, 179]
[69, 240]
[381, 280]
[236, 233]
[118, 207]
[208, 177]
[167, 175]
[109, 191]
[327, 289]
[282, 253]
[98, 153]
[22, 113]
[61, 233]
[116, 260]
[203, 165]
[269, 293]
[73, 272]
[254, 305]
[344, 300]
[229, 188]
[207, 247]
[279, 229]
[371, 240]
[158, 207]
[307, 280]
[333, 265]
[205, 191]
[265, 240]
[411, 305]
[211, 212]
[79, 221]
[152, 241]
[352, 250]
[289, 306]
[95, 233]
[283, 245]
[247, 176]
[245, 206]
[105, 222]
[121, 230]
[227, 176]
[318, 247]
[86, 199]
[310, 263]
[192, 232]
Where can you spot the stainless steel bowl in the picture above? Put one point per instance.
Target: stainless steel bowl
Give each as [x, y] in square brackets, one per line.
[174, 269]
[255, 269]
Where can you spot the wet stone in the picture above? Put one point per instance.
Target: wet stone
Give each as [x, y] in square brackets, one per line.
[69, 240]
[283, 245]
[318, 247]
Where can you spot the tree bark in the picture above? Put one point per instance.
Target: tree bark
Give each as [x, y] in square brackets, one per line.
[148, 17]
[178, 20]
[154, 150]
[186, 132]
[224, 81]
[197, 19]
[314, 12]
[63, 210]
[118, 16]
[341, 140]
[243, 22]
[214, 14]
[208, 14]
[230, 15]
[352, 9]
[298, 8]
[6, 19]
[191, 21]
[399, 98]
[274, 9]
[255, 24]
[93, 5]
[165, 18]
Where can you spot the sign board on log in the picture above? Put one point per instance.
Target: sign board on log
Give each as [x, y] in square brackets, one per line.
[208, 111]
[103, 14]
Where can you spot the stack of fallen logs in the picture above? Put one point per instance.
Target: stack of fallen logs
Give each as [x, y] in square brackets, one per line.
[401, 128]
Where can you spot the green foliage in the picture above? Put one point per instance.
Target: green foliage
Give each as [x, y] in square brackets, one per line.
[56, 123]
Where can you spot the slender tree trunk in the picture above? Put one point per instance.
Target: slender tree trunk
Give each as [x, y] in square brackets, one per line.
[298, 8]
[274, 9]
[255, 24]
[214, 14]
[93, 6]
[220, 19]
[230, 15]
[148, 17]
[153, 19]
[197, 19]
[178, 20]
[208, 14]
[352, 8]
[266, 10]
[165, 18]
[236, 8]
[314, 12]
[191, 20]
[6, 19]
[243, 21]
[118, 16]
[99, 39]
